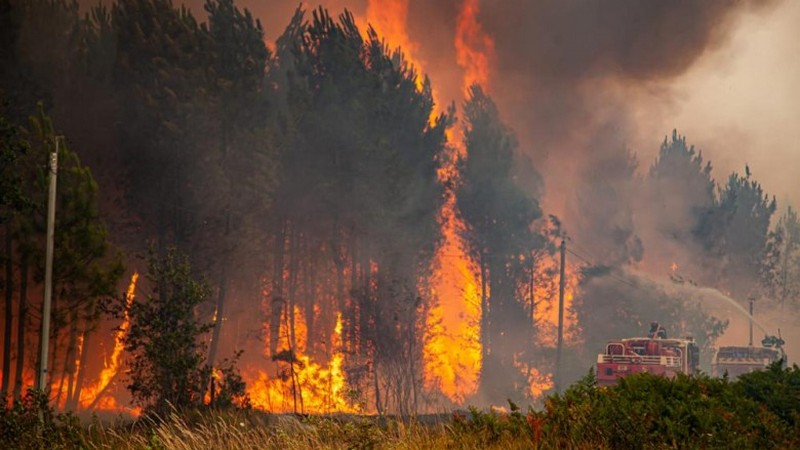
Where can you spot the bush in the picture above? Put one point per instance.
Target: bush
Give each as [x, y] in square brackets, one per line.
[31, 423]
[777, 388]
[493, 428]
[646, 411]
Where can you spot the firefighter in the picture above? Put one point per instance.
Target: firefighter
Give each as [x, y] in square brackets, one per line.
[657, 331]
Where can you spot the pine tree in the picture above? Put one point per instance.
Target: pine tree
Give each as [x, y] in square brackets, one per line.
[498, 215]
[735, 231]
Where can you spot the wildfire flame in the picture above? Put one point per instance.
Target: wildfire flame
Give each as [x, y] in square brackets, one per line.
[474, 48]
[90, 396]
[452, 351]
[305, 386]
[451, 339]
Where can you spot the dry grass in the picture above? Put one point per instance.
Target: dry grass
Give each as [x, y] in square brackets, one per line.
[253, 431]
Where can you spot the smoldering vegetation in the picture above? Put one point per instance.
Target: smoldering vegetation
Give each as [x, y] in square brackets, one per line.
[306, 183]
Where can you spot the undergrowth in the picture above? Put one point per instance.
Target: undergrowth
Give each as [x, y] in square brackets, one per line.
[760, 410]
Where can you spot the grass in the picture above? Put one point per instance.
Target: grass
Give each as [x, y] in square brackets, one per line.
[228, 431]
[758, 410]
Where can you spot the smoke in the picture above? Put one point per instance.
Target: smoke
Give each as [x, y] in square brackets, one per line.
[584, 83]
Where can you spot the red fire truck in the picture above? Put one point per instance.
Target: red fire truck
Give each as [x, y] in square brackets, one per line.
[738, 360]
[654, 354]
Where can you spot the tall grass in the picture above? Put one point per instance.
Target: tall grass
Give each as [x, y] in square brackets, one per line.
[229, 431]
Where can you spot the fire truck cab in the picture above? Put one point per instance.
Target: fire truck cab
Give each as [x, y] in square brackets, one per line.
[655, 355]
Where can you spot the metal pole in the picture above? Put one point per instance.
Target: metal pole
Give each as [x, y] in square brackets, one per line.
[751, 300]
[561, 281]
[48, 274]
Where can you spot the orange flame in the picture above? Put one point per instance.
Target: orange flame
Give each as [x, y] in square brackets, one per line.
[452, 350]
[307, 386]
[474, 48]
[389, 18]
[90, 395]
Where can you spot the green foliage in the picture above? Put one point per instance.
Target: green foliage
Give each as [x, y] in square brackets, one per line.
[31, 423]
[13, 148]
[167, 355]
[86, 268]
[491, 428]
[776, 388]
[232, 391]
[645, 411]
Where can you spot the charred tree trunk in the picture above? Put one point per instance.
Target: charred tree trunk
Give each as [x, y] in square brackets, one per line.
[485, 345]
[365, 313]
[378, 405]
[309, 282]
[223, 284]
[22, 318]
[69, 359]
[292, 289]
[8, 310]
[297, 389]
[84, 359]
[276, 303]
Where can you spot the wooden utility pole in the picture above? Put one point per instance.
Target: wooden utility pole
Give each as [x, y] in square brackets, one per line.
[561, 282]
[48, 269]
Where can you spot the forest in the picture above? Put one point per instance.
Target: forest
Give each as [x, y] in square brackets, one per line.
[300, 225]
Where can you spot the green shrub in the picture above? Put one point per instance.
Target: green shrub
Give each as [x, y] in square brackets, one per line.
[646, 411]
[31, 423]
[776, 388]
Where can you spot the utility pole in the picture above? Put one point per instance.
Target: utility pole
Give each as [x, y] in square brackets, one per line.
[561, 282]
[751, 300]
[48, 268]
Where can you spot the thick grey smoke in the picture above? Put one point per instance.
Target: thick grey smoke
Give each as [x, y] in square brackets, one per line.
[556, 58]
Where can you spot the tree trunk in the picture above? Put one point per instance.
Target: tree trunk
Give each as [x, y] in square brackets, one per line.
[292, 289]
[76, 393]
[350, 340]
[378, 406]
[485, 346]
[277, 287]
[223, 282]
[9, 311]
[21, 319]
[309, 283]
[69, 360]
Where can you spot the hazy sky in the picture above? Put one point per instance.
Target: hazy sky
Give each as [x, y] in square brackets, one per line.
[742, 105]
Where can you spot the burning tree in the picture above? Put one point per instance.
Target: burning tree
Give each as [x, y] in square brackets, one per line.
[356, 207]
[499, 216]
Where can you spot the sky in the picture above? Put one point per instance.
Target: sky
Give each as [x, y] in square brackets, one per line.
[742, 104]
